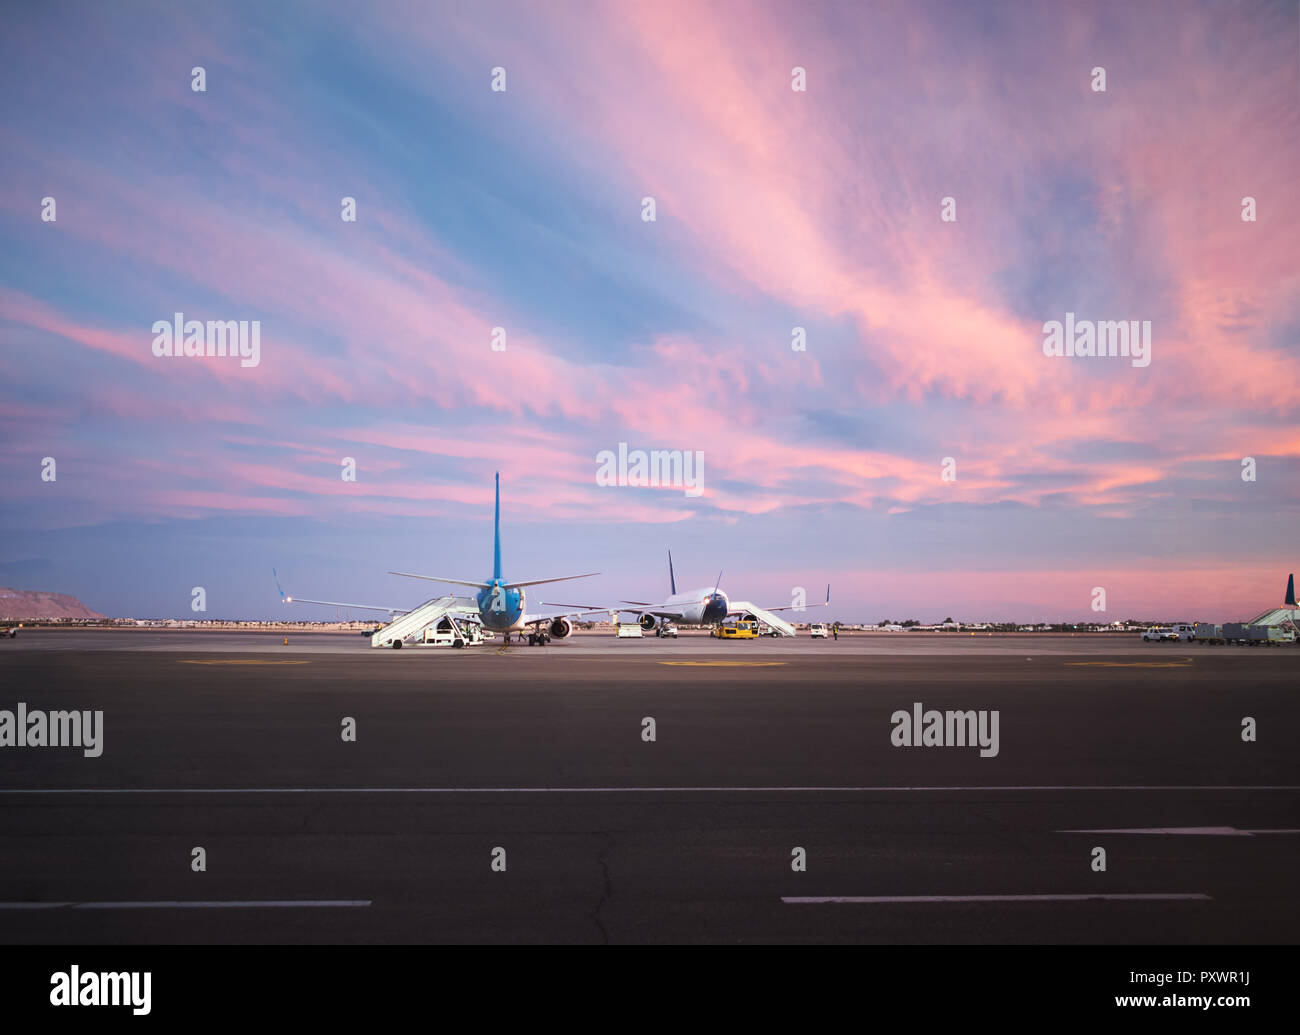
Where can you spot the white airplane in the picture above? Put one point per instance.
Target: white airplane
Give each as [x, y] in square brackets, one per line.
[706, 606]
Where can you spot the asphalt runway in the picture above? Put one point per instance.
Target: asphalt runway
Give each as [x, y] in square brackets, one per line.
[232, 742]
[587, 643]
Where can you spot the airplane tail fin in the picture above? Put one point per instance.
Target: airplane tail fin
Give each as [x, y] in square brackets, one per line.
[1290, 591]
[672, 579]
[496, 549]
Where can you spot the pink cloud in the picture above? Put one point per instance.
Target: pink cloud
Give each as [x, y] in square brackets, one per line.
[768, 194]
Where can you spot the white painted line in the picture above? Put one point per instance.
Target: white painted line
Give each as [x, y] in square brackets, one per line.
[34, 905]
[1184, 831]
[648, 790]
[1173, 831]
[882, 899]
[249, 904]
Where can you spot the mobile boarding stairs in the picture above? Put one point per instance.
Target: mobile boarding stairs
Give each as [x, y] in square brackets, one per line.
[413, 623]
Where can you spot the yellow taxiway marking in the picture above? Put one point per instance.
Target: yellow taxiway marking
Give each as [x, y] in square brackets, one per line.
[1135, 664]
[726, 664]
[238, 661]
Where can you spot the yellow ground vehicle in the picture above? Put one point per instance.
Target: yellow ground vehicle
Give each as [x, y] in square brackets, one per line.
[736, 631]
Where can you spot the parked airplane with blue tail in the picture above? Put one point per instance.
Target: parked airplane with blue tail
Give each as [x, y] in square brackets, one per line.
[500, 605]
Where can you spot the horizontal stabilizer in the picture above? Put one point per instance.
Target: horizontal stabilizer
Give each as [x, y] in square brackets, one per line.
[542, 582]
[436, 578]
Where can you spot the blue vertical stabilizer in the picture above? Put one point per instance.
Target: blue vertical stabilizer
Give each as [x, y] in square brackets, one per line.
[496, 548]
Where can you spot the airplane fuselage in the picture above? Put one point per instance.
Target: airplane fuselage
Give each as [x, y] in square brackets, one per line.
[700, 607]
[500, 606]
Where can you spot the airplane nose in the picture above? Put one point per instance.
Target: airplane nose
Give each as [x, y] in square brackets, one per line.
[716, 609]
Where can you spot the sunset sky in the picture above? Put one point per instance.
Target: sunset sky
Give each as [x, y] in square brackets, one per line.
[775, 209]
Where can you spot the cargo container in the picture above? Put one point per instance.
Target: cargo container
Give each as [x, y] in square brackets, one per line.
[1241, 632]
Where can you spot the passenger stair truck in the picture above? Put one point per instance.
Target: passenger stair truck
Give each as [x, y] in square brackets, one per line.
[747, 612]
[413, 623]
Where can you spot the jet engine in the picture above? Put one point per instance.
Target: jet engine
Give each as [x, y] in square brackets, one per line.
[560, 628]
[647, 622]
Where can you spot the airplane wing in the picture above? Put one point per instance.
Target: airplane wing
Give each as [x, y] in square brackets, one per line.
[656, 611]
[538, 619]
[793, 607]
[394, 611]
[640, 609]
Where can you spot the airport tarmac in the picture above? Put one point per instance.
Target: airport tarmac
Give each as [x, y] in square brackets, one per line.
[690, 642]
[232, 742]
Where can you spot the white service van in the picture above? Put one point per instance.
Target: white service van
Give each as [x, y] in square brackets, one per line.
[817, 631]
